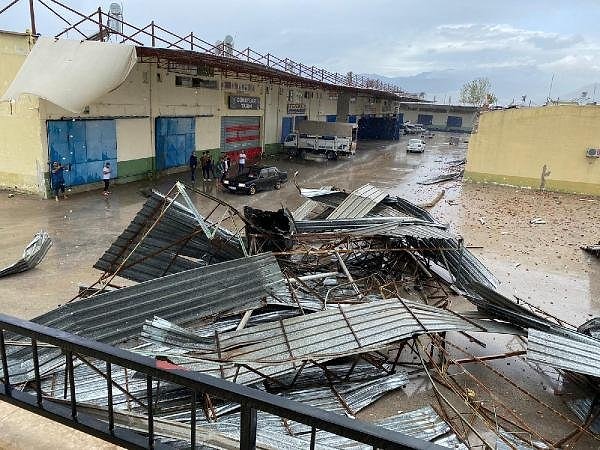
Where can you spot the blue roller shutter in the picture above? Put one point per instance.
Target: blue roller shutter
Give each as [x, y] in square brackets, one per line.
[82, 147]
[454, 122]
[175, 141]
[425, 119]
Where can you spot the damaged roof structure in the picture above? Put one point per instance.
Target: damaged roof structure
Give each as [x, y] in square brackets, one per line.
[347, 299]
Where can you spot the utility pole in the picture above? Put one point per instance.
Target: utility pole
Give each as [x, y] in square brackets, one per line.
[550, 90]
[32, 16]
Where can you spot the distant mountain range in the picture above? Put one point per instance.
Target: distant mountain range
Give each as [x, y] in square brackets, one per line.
[509, 84]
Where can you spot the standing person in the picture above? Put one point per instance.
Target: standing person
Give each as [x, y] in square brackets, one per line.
[106, 171]
[221, 168]
[204, 164]
[58, 180]
[242, 161]
[211, 166]
[193, 166]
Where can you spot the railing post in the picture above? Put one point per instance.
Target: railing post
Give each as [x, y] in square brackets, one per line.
[150, 415]
[100, 24]
[313, 438]
[247, 428]
[36, 371]
[4, 364]
[111, 416]
[193, 422]
[69, 356]
[32, 18]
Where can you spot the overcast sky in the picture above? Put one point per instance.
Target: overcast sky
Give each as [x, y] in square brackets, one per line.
[501, 39]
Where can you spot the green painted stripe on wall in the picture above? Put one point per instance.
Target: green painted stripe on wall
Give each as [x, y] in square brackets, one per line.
[273, 149]
[135, 167]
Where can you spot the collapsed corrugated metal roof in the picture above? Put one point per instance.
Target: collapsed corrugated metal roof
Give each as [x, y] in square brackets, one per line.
[167, 237]
[423, 423]
[185, 297]
[388, 206]
[359, 203]
[32, 255]
[565, 349]
[496, 305]
[344, 330]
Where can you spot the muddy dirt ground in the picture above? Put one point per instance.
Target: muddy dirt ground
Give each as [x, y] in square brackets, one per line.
[541, 263]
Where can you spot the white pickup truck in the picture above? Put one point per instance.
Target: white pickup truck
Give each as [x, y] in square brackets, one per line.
[329, 140]
[330, 147]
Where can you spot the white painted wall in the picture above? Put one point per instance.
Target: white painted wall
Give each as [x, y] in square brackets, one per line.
[133, 139]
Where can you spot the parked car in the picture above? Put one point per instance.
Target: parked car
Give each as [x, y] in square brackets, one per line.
[256, 178]
[415, 146]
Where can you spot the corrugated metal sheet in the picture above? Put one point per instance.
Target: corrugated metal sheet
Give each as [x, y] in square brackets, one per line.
[176, 243]
[360, 202]
[497, 305]
[423, 423]
[376, 226]
[566, 350]
[581, 407]
[184, 297]
[304, 209]
[355, 395]
[337, 332]
[386, 207]
[32, 255]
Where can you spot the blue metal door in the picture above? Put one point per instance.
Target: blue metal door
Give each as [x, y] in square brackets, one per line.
[425, 119]
[175, 141]
[298, 119]
[330, 118]
[82, 147]
[286, 127]
[454, 122]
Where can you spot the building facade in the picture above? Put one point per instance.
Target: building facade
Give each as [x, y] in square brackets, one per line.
[553, 147]
[458, 118]
[163, 111]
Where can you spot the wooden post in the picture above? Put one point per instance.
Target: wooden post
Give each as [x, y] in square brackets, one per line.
[153, 39]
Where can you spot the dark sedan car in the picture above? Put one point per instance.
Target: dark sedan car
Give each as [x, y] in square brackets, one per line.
[256, 178]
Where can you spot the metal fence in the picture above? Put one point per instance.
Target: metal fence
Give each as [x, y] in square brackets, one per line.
[250, 400]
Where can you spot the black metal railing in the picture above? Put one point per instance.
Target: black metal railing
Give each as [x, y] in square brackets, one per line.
[250, 400]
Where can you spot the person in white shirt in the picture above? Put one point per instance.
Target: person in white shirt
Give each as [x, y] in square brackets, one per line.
[106, 171]
[241, 161]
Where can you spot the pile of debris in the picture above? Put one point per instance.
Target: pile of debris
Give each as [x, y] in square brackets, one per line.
[336, 304]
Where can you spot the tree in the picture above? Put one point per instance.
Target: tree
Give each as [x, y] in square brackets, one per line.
[478, 92]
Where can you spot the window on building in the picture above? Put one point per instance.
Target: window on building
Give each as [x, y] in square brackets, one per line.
[290, 96]
[425, 119]
[194, 82]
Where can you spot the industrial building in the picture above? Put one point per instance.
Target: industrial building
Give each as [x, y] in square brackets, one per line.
[551, 147]
[455, 118]
[176, 95]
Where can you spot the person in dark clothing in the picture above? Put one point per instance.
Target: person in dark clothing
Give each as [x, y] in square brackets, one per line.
[193, 166]
[204, 161]
[58, 180]
[221, 168]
